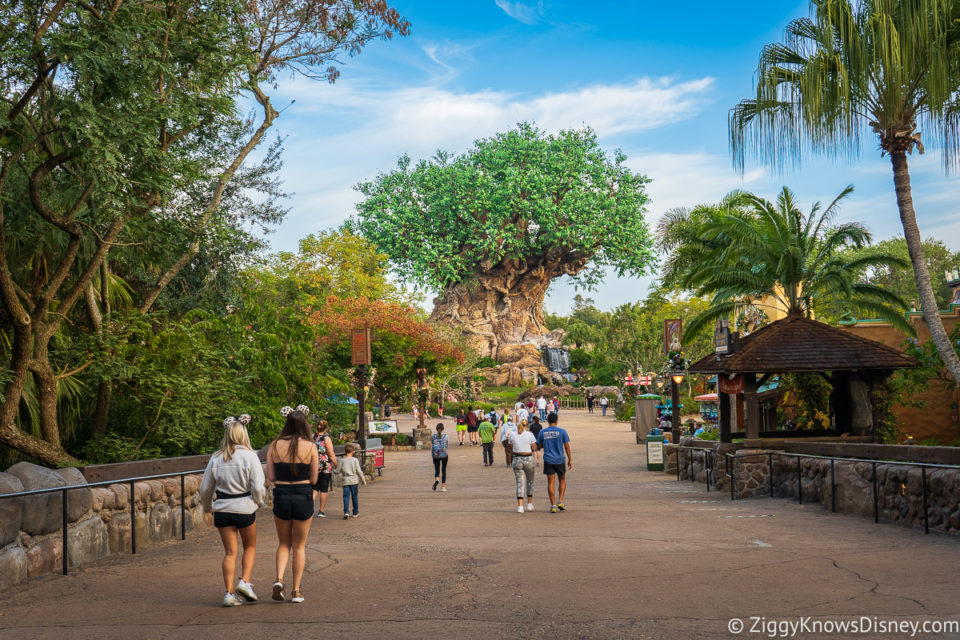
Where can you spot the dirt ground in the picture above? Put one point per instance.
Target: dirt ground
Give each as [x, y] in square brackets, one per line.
[636, 555]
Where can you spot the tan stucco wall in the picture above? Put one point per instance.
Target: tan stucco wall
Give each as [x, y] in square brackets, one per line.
[938, 418]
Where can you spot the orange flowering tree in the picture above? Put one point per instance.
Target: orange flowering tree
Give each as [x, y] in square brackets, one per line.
[402, 341]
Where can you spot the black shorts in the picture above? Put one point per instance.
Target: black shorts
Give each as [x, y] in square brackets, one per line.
[550, 469]
[323, 483]
[472, 429]
[293, 501]
[223, 519]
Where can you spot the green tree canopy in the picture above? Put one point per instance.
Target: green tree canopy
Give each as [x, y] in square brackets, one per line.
[856, 68]
[899, 279]
[524, 199]
[760, 248]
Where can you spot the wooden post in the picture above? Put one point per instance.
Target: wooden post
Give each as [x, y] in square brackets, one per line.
[724, 400]
[752, 406]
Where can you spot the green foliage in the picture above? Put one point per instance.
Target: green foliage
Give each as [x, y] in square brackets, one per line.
[850, 70]
[515, 200]
[505, 395]
[751, 249]
[810, 394]
[625, 411]
[853, 70]
[898, 278]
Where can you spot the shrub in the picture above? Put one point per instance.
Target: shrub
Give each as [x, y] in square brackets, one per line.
[625, 411]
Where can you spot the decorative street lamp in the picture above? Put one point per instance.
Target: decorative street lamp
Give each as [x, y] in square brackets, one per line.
[676, 377]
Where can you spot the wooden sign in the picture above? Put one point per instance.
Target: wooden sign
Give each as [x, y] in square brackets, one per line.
[361, 347]
[729, 386]
[672, 335]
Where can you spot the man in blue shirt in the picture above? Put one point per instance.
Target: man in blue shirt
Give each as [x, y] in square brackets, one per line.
[557, 459]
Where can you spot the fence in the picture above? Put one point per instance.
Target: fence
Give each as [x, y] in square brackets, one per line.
[130, 482]
[732, 460]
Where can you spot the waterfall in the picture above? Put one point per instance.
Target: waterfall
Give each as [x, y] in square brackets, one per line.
[557, 360]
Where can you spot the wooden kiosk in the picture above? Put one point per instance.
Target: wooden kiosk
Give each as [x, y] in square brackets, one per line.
[855, 367]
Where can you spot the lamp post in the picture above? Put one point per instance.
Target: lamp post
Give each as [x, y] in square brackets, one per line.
[676, 377]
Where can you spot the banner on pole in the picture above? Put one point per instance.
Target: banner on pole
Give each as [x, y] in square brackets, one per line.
[361, 347]
[672, 335]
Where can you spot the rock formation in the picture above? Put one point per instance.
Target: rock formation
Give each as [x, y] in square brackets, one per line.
[501, 314]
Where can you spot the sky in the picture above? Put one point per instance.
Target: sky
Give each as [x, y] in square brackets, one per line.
[656, 80]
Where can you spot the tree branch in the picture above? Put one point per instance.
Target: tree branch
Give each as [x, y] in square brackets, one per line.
[269, 114]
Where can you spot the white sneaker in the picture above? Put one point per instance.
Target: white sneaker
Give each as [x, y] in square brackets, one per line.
[245, 589]
[297, 596]
[231, 600]
[529, 506]
[520, 509]
[443, 489]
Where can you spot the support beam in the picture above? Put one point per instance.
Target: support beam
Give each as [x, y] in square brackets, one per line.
[752, 406]
[724, 400]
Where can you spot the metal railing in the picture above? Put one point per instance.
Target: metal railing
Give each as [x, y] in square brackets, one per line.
[732, 459]
[707, 462]
[130, 482]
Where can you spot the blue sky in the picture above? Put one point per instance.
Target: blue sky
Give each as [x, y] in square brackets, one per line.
[656, 80]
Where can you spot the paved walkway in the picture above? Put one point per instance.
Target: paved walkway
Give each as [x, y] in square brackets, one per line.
[636, 555]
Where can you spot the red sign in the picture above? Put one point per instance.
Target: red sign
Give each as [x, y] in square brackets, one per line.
[361, 347]
[377, 458]
[729, 386]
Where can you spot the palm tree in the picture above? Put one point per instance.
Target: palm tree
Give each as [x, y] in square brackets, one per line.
[889, 65]
[774, 250]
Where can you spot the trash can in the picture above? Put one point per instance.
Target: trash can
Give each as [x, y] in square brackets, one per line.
[654, 452]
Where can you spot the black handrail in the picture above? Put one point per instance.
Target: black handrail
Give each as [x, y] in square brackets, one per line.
[732, 458]
[130, 482]
[707, 462]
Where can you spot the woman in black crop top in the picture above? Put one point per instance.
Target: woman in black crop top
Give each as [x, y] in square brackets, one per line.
[292, 468]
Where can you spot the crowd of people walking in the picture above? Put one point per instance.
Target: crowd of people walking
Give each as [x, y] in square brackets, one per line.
[301, 462]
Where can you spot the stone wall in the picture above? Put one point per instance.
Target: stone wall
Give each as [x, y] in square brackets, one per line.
[694, 464]
[98, 518]
[899, 487]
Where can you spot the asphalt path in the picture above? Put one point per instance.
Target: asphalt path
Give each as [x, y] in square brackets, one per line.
[635, 555]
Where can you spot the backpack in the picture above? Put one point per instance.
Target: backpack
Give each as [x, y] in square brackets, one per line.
[436, 446]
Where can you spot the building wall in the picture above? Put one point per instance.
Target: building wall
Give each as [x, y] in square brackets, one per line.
[938, 418]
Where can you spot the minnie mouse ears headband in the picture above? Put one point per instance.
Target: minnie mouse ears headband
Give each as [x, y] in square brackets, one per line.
[244, 419]
[302, 408]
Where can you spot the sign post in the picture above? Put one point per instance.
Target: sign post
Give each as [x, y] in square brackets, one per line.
[361, 356]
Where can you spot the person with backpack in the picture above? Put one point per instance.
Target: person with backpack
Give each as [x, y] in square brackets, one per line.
[326, 465]
[438, 448]
[509, 427]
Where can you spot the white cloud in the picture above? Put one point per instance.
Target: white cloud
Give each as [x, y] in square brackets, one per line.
[376, 126]
[689, 179]
[527, 14]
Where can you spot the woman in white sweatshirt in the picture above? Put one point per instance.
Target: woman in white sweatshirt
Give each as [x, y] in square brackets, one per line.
[234, 476]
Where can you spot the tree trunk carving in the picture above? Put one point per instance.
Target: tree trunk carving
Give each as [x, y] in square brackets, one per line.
[501, 313]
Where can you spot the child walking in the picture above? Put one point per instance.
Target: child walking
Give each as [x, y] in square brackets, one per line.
[351, 476]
